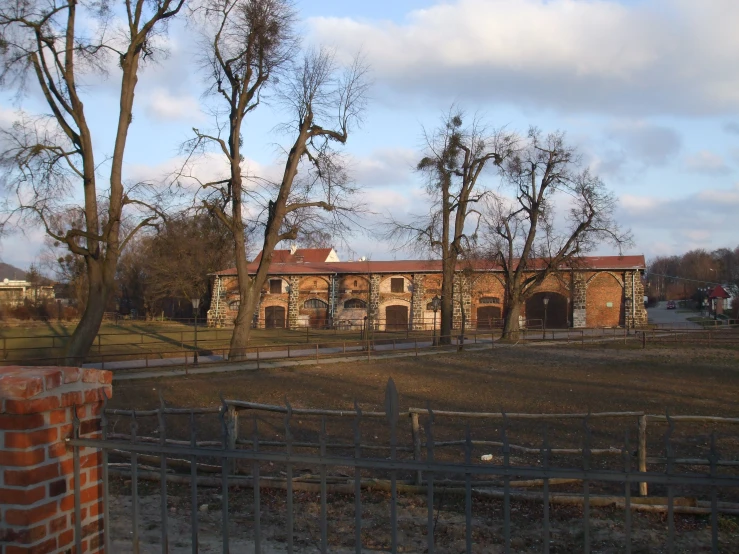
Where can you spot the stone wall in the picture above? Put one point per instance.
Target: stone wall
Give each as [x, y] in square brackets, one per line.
[579, 301]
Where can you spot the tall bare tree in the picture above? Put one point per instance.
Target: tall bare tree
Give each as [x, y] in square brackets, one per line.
[247, 46]
[455, 158]
[49, 161]
[522, 233]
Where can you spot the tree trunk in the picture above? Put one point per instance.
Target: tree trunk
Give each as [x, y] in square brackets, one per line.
[99, 289]
[447, 304]
[511, 326]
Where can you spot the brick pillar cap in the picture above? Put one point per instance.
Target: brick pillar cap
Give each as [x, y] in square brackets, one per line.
[23, 383]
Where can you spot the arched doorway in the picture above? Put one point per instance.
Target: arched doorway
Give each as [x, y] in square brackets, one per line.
[317, 312]
[396, 318]
[488, 317]
[274, 317]
[556, 310]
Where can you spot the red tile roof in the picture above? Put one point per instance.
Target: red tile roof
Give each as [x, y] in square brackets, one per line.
[311, 255]
[428, 266]
[718, 292]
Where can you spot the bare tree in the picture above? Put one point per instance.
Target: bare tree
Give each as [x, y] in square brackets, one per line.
[455, 158]
[247, 45]
[49, 161]
[522, 234]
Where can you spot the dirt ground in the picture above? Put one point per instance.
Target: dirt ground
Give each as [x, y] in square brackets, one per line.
[528, 379]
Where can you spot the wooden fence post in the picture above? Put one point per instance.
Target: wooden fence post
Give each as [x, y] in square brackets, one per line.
[416, 433]
[232, 426]
[643, 452]
[316, 352]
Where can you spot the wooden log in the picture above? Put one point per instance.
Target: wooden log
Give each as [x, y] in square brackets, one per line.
[498, 415]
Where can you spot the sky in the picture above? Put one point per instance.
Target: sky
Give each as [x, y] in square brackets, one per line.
[648, 90]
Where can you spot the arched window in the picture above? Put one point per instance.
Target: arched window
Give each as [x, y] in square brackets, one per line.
[355, 303]
[234, 305]
[315, 303]
[355, 283]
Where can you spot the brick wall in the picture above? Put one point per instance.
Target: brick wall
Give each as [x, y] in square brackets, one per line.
[36, 467]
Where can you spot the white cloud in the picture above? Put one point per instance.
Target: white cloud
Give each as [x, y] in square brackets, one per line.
[383, 167]
[163, 105]
[651, 57]
[706, 162]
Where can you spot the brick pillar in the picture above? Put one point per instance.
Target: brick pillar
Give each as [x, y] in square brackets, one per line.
[374, 303]
[579, 301]
[36, 467]
[418, 304]
[466, 299]
[636, 316]
[293, 309]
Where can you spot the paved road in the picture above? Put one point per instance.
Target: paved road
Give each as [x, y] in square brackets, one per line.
[679, 318]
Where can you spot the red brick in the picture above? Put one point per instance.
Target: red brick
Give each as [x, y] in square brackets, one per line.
[57, 450]
[91, 460]
[56, 525]
[59, 416]
[96, 542]
[66, 467]
[89, 426]
[54, 380]
[22, 497]
[29, 516]
[105, 377]
[71, 374]
[21, 422]
[23, 536]
[96, 409]
[32, 406]
[96, 509]
[21, 386]
[30, 439]
[21, 458]
[26, 477]
[65, 538]
[92, 527]
[86, 496]
[43, 548]
[71, 398]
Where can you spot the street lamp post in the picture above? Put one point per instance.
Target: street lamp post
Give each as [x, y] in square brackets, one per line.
[435, 303]
[546, 303]
[195, 306]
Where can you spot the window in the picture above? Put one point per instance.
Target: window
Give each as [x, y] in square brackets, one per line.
[489, 300]
[355, 303]
[234, 305]
[275, 286]
[397, 284]
[355, 283]
[315, 284]
[315, 303]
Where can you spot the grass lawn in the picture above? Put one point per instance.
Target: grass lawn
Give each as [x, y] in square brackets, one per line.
[134, 339]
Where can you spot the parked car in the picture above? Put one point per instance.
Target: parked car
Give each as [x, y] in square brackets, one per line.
[671, 305]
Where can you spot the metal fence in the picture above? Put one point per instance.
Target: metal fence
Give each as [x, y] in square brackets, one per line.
[413, 461]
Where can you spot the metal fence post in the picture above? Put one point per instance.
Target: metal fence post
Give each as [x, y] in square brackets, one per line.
[316, 352]
[642, 452]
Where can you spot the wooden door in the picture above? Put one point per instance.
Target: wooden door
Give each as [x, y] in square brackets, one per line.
[556, 311]
[488, 317]
[274, 317]
[396, 318]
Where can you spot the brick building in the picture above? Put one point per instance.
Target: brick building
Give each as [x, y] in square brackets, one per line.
[312, 288]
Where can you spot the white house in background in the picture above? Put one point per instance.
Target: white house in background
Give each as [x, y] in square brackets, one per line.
[16, 291]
